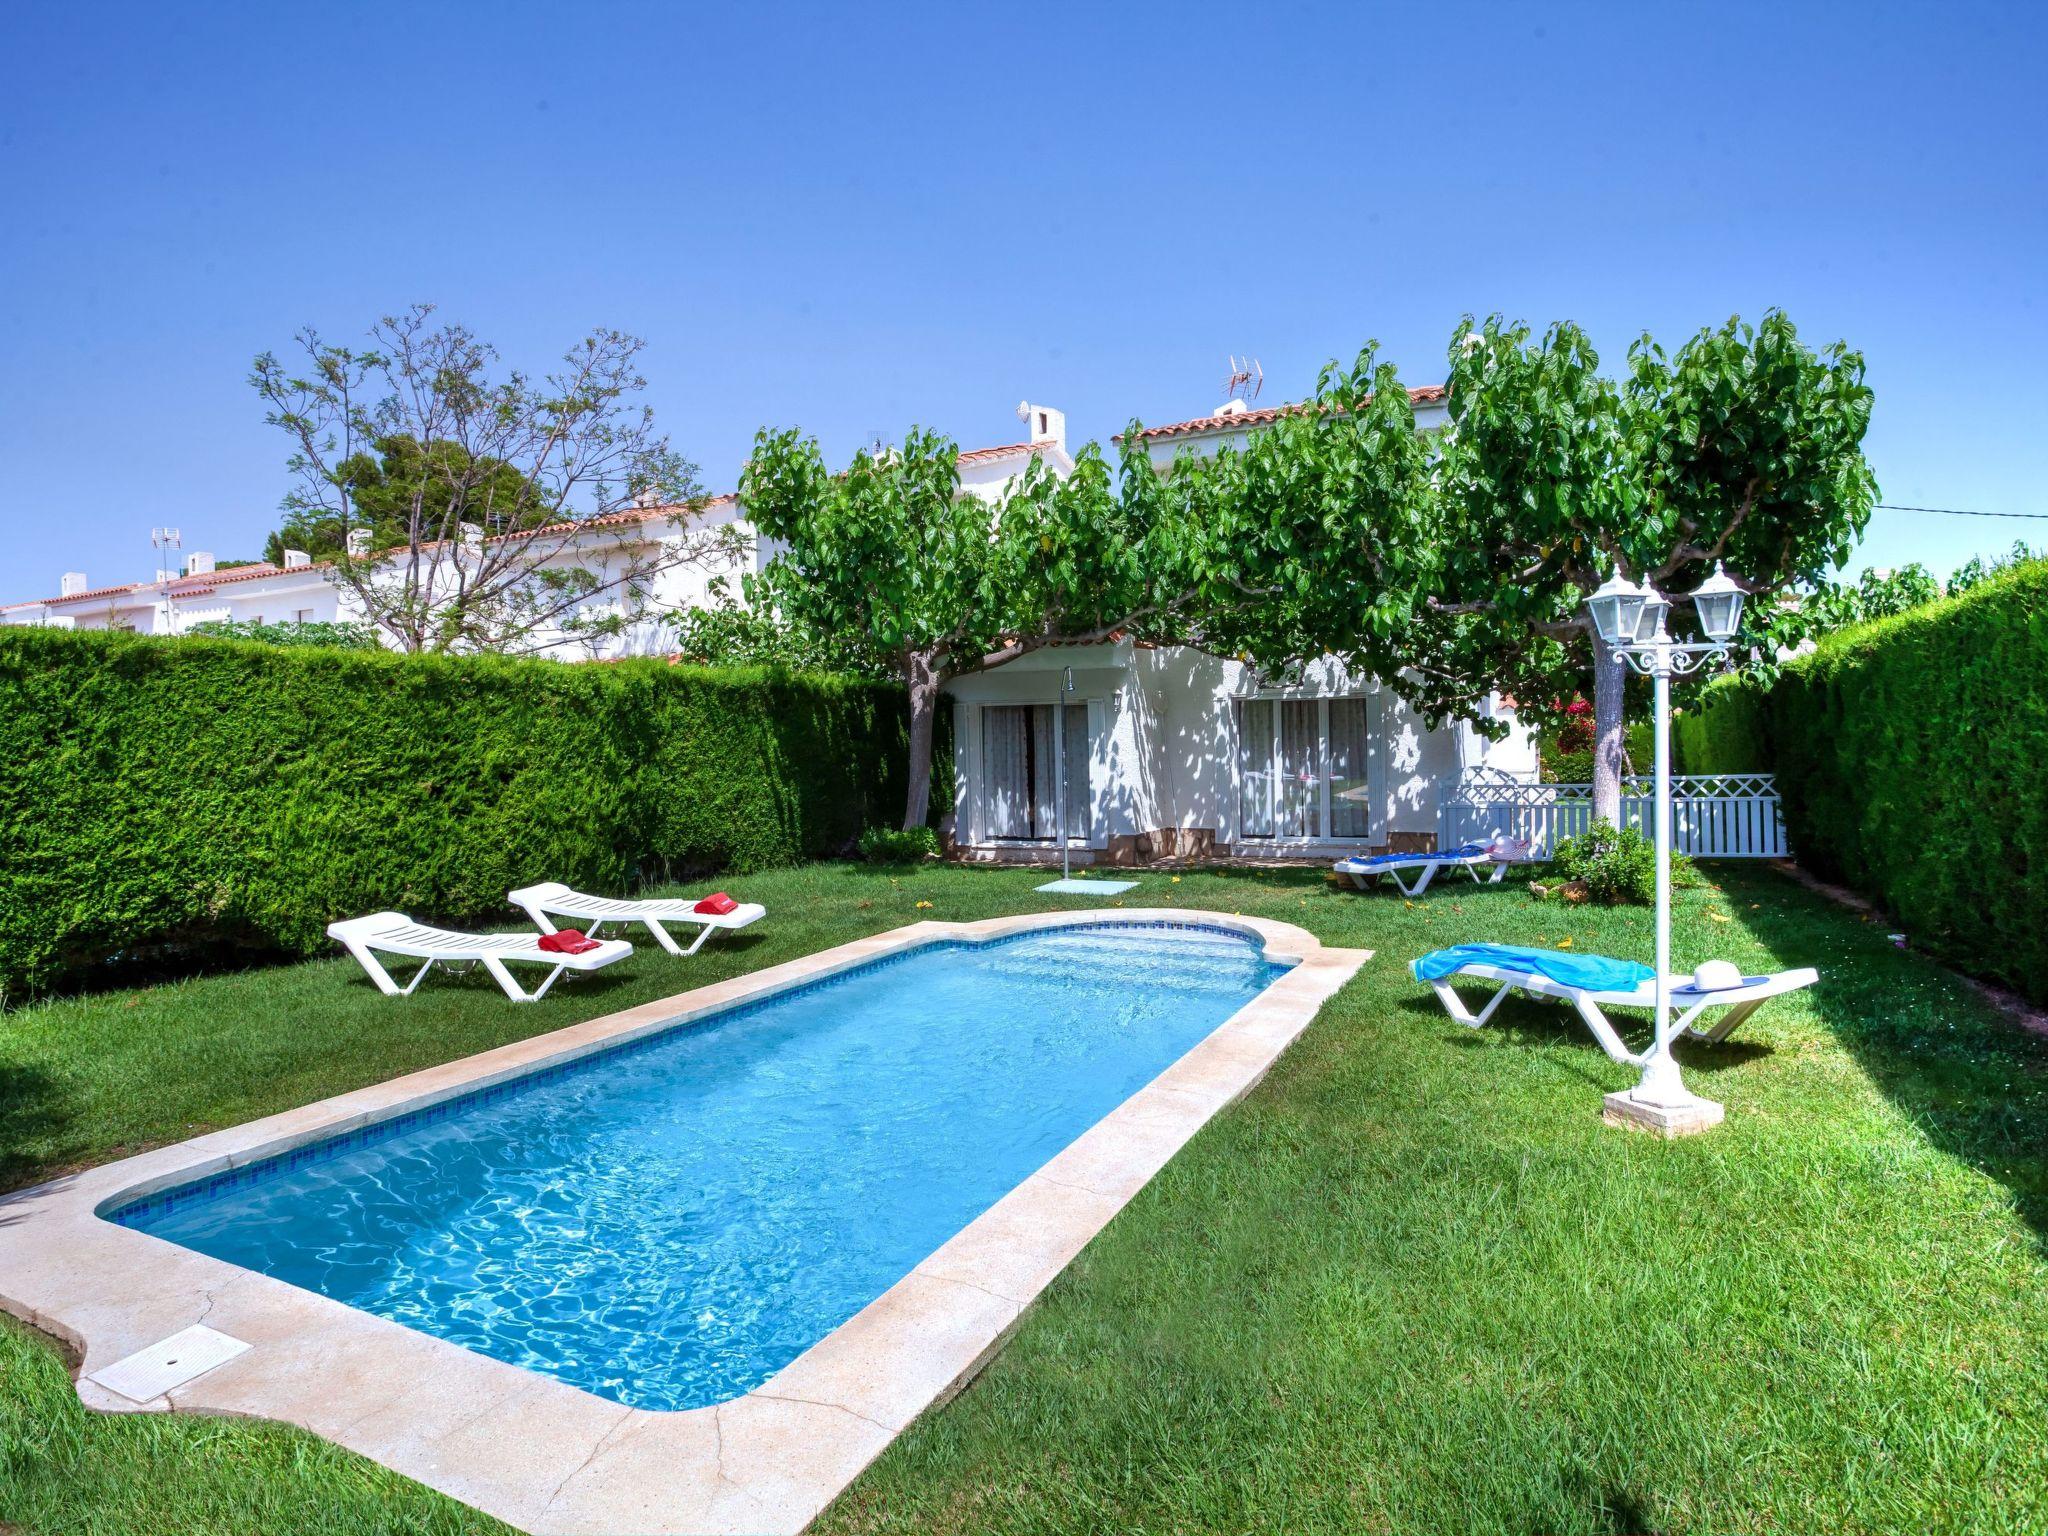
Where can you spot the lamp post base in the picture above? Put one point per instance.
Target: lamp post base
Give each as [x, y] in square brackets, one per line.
[1687, 1116]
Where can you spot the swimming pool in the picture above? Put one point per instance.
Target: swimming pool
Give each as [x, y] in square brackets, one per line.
[669, 1222]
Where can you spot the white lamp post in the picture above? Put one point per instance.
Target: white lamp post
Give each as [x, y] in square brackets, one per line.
[1630, 619]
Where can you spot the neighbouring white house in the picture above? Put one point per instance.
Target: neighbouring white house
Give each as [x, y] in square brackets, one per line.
[1153, 751]
[304, 591]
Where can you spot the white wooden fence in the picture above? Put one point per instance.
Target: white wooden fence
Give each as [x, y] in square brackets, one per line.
[1713, 816]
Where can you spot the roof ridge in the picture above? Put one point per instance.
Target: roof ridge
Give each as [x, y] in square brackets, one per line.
[1421, 394]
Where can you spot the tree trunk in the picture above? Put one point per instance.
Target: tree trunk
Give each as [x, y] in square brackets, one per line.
[1609, 678]
[921, 676]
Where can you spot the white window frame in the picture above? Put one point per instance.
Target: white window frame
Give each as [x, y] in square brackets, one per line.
[978, 779]
[1375, 772]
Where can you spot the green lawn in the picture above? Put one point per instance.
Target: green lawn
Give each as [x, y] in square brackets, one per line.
[1411, 1284]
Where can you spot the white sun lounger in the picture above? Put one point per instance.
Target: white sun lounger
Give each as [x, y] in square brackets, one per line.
[393, 933]
[1688, 1001]
[552, 897]
[1363, 871]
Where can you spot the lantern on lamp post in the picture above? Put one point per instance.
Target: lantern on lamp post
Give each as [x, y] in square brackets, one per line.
[1630, 619]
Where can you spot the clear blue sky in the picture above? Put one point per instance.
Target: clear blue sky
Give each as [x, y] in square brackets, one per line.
[856, 218]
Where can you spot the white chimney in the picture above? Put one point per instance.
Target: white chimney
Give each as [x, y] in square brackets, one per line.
[296, 559]
[472, 538]
[1043, 424]
[199, 563]
[358, 543]
[72, 583]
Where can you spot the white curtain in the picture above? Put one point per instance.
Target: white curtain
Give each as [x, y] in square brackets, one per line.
[1006, 768]
[1281, 781]
[1350, 809]
[1255, 768]
[1300, 770]
[1045, 787]
[1020, 764]
[1080, 812]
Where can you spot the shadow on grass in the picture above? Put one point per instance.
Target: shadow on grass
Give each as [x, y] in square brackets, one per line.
[476, 979]
[156, 965]
[1970, 1078]
[1973, 1081]
[30, 1115]
[1537, 1022]
[1620, 1512]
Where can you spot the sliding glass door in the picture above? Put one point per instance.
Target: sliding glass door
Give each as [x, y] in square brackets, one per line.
[1302, 769]
[1024, 750]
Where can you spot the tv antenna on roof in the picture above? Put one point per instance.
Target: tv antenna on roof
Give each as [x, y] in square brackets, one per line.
[1247, 378]
[166, 542]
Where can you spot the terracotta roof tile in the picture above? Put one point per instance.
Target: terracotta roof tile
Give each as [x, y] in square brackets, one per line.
[80, 597]
[206, 581]
[1007, 450]
[1428, 394]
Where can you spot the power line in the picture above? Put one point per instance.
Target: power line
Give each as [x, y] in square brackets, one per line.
[1887, 506]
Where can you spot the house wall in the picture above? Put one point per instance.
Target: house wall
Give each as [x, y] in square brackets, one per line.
[682, 583]
[302, 594]
[1164, 751]
[1122, 735]
[283, 599]
[1407, 760]
[1205, 443]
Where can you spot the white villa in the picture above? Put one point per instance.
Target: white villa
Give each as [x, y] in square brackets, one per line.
[1172, 752]
[1160, 751]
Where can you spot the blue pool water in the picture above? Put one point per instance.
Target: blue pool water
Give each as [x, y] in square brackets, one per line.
[671, 1222]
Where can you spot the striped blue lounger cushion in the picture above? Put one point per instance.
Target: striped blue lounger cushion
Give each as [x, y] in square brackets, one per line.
[1469, 851]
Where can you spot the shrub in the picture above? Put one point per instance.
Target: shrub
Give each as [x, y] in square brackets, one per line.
[205, 795]
[1568, 767]
[342, 636]
[1564, 745]
[1564, 742]
[1617, 866]
[1639, 745]
[1912, 757]
[1727, 730]
[898, 845]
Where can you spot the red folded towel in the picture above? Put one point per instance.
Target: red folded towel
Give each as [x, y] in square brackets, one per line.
[718, 904]
[567, 941]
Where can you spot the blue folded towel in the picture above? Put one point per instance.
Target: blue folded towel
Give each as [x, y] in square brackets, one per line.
[1594, 973]
[1469, 851]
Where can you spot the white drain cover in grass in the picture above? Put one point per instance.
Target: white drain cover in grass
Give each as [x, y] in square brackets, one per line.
[151, 1372]
[1078, 887]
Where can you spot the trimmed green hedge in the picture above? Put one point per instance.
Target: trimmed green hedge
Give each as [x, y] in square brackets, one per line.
[1726, 731]
[206, 794]
[1912, 755]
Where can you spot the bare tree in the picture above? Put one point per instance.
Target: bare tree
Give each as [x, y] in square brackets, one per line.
[520, 511]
